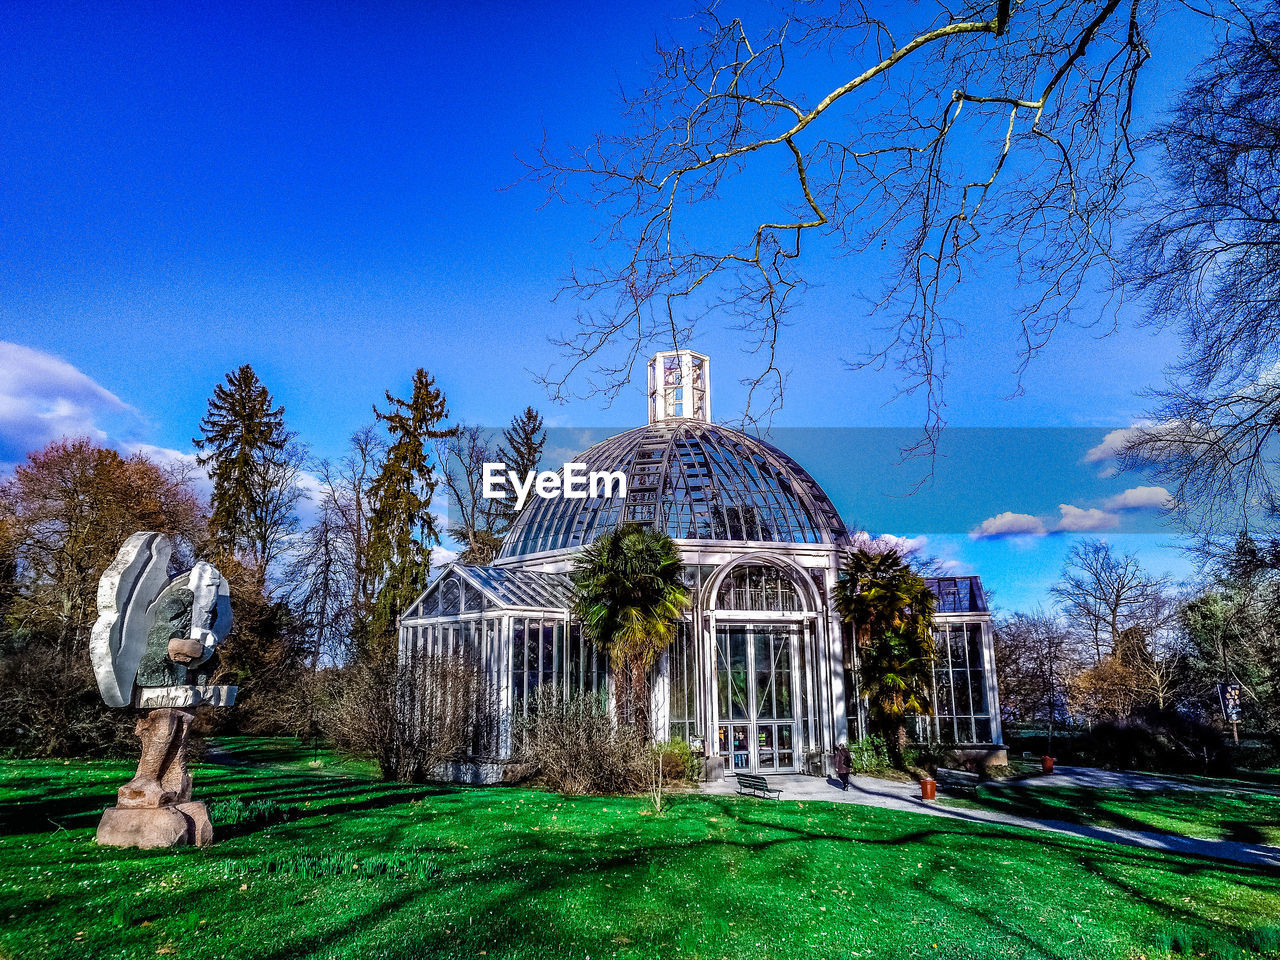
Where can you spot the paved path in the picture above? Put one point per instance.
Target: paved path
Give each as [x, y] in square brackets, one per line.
[891, 795]
[1098, 779]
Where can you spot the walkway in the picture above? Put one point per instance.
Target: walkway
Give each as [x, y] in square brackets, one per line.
[905, 797]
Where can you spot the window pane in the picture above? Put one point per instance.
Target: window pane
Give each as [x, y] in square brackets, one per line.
[782, 675]
[764, 676]
[517, 664]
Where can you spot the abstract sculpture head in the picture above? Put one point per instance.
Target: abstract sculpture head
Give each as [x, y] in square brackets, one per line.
[154, 642]
[154, 647]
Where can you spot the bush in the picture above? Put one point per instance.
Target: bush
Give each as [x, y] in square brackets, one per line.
[409, 718]
[868, 754]
[679, 763]
[928, 757]
[1255, 755]
[51, 708]
[1159, 741]
[573, 746]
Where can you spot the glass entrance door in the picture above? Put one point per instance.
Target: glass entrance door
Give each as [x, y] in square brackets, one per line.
[755, 697]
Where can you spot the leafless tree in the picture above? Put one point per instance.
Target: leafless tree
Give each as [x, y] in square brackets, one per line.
[1103, 595]
[321, 579]
[65, 512]
[475, 521]
[1036, 658]
[1209, 263]
[272, 518]
[1156, 649]
[332, 583]
[945, 138]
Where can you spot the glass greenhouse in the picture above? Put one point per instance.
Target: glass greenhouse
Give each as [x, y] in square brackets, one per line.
[763, 673]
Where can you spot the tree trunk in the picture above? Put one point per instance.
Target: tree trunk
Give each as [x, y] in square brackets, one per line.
[640, 696]
[621, 697]
[897, 742]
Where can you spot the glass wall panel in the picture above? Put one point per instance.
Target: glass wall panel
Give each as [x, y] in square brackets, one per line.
[549, 653]
[683, 675]
[961, 712]
[731, 676]
[574, 644]
[765, 707]
[532, 647]
[450, 597]
[758, 587]
[755, 680]
[517, 666]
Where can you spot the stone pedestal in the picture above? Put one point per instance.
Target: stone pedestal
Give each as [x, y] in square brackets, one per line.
[155, 808]
[177, 825]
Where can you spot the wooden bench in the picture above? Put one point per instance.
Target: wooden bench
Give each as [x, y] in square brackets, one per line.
[751, 783]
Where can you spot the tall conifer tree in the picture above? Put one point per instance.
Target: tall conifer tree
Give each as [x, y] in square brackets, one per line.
[241, 435]
[521, 451]
[403, 530]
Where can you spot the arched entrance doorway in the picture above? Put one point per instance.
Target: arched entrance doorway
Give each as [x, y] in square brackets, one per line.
[759, 616]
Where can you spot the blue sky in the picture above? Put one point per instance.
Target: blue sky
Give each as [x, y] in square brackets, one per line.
[330, 193]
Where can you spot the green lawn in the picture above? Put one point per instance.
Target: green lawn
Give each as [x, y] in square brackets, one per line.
[1249, 816]
[366, 870]
[284, 755]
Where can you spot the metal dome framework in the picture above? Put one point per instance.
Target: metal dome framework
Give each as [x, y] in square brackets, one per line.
[695, 480]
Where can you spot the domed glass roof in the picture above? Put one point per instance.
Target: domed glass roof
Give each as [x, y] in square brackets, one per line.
[694, 479]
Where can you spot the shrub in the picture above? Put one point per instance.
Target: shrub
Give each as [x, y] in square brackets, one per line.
[52, 708]
[1160, 741]
[411, 718]
[573, 746]
[679, 763]
[868, 754]
[921, 758]
[1255, 755]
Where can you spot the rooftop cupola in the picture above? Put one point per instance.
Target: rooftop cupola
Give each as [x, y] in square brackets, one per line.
[679, 386]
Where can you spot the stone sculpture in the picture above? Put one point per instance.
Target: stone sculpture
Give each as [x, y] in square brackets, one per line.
[153, 648]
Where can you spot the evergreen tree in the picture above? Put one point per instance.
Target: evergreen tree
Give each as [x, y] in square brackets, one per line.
[403, 529]
[521, 451]
[523, 442]
[242, 440]
[630, 595]
[891, 610]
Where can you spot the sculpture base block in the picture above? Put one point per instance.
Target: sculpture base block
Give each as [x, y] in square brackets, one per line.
[147, 828]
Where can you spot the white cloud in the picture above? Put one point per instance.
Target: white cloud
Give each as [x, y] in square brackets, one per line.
[1106, 452]
[164, 456]
[43, 398]
[906, 546]
[1077, 520]
[1142, 498]
[1008, 524]
[1112, 444]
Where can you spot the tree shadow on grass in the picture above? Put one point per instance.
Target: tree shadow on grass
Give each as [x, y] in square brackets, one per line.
[1206, 817]
[538, 872]
[521, 885]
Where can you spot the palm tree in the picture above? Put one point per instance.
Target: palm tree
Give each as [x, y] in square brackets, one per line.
[630, 594]
[891, 611]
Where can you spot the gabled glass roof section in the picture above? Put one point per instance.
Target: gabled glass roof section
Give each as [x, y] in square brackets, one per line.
[958, 594]
[460, 589]
[523, 588]
[695, 480]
